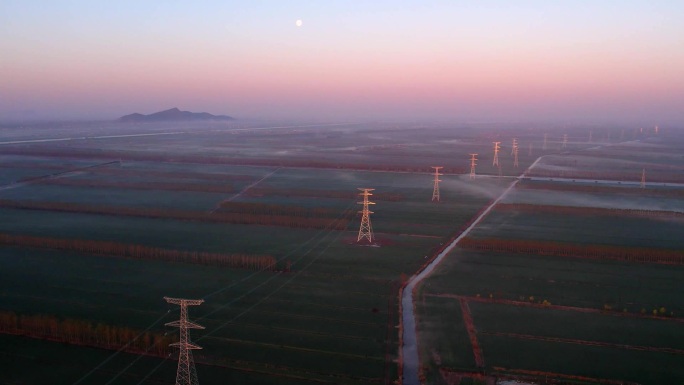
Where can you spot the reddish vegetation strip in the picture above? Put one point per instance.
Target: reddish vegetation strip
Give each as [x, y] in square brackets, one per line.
[472, 333]
[84, 333]
[523, 374]
[265, 191]
[586, 343]
[191, 158]
[187, 215]
[554, 307]
[271, 209]
[589, 211]
[196, 187]
[569, 187]
[670, 176]
[240, 261]
[560, 249]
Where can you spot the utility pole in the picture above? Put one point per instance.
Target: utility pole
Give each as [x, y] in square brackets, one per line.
[365, 230]
[186, 373]
[435, 189]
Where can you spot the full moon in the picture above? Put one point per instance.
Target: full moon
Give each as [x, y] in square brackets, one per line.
[298, 23]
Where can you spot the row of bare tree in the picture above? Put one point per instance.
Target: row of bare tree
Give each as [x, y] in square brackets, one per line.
[85, 333]
[108, 248]
[567, 187]
[560, 249]
[187, 215]
[346, 195]
[592, 211]
[280, 210]
[169, 186]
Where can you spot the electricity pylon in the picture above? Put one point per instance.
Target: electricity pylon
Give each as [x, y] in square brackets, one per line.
[591, 134]
[435, 190]
[515, 156]
[643, 178]
[496, 153]
[656, 130]
[565, 140]
[473, 160]
[365, 230]
[515, 146]
[186, 373]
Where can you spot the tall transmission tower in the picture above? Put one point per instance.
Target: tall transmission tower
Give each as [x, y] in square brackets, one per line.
[473, 160]
[186, 373]
[546, 136]
[497, 147]
[656, 130]
[515, 146]
[591, 134]
[515, 155]
[565, 140]
[365, 230]
[643, 178]
[435, 189]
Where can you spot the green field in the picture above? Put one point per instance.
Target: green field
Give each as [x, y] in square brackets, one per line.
[575, 320]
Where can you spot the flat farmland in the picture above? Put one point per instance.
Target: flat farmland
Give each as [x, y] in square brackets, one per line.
[578, 316]
[326, 311]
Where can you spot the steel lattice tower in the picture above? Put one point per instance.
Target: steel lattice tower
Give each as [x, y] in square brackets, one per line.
[473, 162]
[495, 162]
[515, 146]
[186, 373]
[643, 178]
[515, 156]
[565, 140]
[365, 230]
[435, 190]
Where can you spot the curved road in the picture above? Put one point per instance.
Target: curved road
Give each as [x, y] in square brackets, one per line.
[409, 349]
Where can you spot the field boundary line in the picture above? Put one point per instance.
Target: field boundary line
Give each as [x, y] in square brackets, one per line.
[577, 309]
[575, 341]
[472, 332]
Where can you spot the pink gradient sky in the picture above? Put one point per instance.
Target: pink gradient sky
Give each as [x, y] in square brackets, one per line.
[456, 60]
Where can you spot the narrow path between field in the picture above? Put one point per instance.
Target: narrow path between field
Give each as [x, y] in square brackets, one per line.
[245, 189]
[61, 174]
[409, 349]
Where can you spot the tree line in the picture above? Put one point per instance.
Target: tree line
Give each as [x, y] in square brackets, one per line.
[187, 215]
[592, 211]
[671, 176]
[203, 159]
[347, 195]
[272, 209]
[108, 248]
[561, 249]
[84, 333]
[169, 186]
[567, 187]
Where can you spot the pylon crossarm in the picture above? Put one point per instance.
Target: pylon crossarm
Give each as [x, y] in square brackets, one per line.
[192, 346]
[192, 325]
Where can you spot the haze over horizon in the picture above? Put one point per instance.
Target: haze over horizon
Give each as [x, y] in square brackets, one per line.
[448, 60]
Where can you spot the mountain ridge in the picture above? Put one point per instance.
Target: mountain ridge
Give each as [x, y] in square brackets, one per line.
[172, 114]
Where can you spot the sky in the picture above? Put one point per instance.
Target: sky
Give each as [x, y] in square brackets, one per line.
[476, 60]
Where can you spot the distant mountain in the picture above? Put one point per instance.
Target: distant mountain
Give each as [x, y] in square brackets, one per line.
[173, 114]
